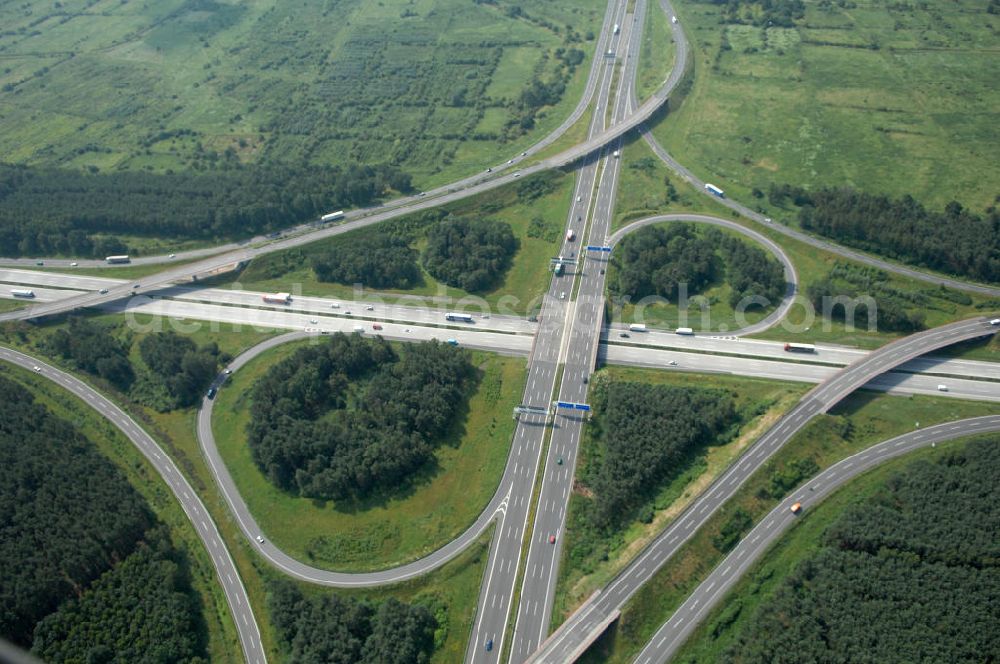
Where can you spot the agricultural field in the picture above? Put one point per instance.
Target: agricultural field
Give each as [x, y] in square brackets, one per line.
[886, 97]
[435, 87]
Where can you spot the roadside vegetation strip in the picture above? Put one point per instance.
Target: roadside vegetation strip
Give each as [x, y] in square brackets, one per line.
[593, 555]
[807, 545]
[861, 420]
[388, 530]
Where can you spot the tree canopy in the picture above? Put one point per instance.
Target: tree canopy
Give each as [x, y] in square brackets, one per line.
[655, 260]
[47, 211]
[912, 574]
[645, 433]
[349, 417]
[338, 630]
[141, 610]
[955, 241]
[93, 349]
[472, 254]
[180, 366]
[373, 260]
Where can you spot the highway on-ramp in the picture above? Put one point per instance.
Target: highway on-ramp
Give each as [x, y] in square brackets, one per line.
[201, 520]
[587, 622]
[751, 548]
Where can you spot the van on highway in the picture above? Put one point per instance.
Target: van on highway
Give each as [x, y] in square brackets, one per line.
[995, 321]
[942, 388]
[359, 329]
[796, 508]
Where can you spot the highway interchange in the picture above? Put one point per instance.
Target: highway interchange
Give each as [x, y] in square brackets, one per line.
[568, 337]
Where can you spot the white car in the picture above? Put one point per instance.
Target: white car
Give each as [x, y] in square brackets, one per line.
[370, 308]
[517, 175]
[73, 264]
[313, 321]
[36, 368]
[103, 291]
[260, 539]
[335, 305]
[562, 295]
[942, 388]
[172, 256]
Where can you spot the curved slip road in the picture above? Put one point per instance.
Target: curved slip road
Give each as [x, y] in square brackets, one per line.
[578, 632]
[791, 276]
[225, 568]
[712, 590]
[289, 565]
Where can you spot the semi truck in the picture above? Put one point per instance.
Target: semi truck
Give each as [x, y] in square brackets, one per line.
[687, 331]
[333, 216]
[800, 348]
[278, 298]
[715, 190]
[117, 260]
[22, 292]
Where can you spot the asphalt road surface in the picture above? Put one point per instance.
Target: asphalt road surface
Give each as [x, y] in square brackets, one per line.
[248, 309]
[573, 637]
[713, 589]
[225, 569]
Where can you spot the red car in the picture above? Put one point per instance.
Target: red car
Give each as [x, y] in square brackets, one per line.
[552, 539]
[376, 326]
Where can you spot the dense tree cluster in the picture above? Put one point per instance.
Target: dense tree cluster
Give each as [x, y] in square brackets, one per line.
[142, 610]
[955, 241]
[46, 211]
[781, 13]
[373, 260]
[655, 260]
[183, 369]
[68, 513]
[472, 254]
[93, 349]
[306, 439]
[646, 433]
[843, 295]
[750, 271]
[912, 575]
[339, 630]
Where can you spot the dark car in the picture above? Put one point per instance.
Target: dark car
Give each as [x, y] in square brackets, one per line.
[489, 645]
[623, 335]
[211, 393]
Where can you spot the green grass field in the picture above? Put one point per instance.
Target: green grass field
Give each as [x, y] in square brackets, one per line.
[861, 420]
[761, 402]
[526, 280]
[384, 531]
[884, 97]
[432, 85]
[757, 585]
[656, 57]
[223, 644]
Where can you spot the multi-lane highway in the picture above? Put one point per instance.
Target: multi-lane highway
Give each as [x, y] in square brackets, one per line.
[713, 589]
[201, 521]
[553, 343]
[573, 637]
